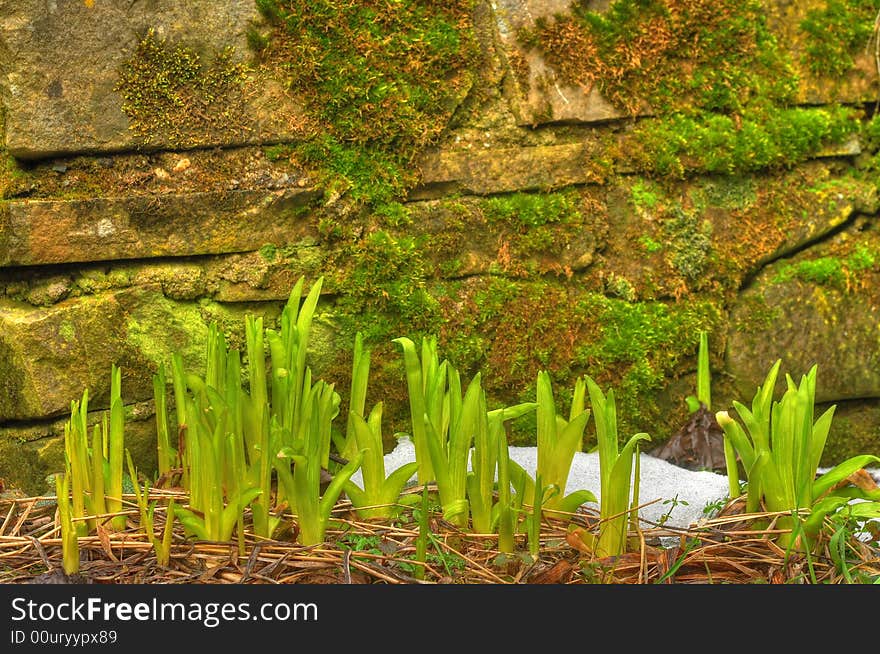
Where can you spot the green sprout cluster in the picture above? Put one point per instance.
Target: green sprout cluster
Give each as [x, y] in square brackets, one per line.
[236, 438]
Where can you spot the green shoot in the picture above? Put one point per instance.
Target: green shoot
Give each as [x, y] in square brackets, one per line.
[781, 447]
[114, 448]
[360, 373]
[426, 380]
[69, 540]
[507, 515]
[288, 348]
[178, 379]
[95, 461]
[161, 546]
[302, 485]
[80, 470]
[704, 378]
[255, 412]
[489, 440]
[558, 440]
[484, 462]
[379, 494]
[216, 514]
[449, 460]
[167, 455]
[422, 539]
[615, 472]
[533, 520]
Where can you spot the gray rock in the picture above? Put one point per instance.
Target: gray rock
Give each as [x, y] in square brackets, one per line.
[60, 65]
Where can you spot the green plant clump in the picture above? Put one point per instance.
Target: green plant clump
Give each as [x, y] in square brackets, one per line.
[780, 447]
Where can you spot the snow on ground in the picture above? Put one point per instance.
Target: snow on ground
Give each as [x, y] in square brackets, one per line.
[681, 494]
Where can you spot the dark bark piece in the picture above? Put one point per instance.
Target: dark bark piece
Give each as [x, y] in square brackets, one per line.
[559, 573]
[698, 445]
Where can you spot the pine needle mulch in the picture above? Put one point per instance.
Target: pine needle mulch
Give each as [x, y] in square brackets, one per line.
[726, 549]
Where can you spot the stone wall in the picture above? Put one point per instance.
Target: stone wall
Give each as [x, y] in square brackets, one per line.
[548, 219]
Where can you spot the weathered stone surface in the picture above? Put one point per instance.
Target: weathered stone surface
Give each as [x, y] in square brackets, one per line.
[136, 227]
[269, 274]
[810, 318]
[542, 96]
[48, 356]
[784, 17]
[265, 275]
[834, 201]
[461, 241]
[852, 147]
[853, 431]
[502, 170]
[60, 66]
[29, 453]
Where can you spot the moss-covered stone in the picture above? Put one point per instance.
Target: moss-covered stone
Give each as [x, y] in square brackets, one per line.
[511, 329]
[40, 232]
[380, 82]
[170, 94]
[819, 307]
[31, 452]
[854, 430]
[48, 356]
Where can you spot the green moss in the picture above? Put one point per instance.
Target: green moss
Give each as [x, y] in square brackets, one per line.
[618, 286]
[650, 244]
[393, 214]
[639, 346]
[13, 179]
[718, 143]
[716, 55]
[533, 209]
[533, 225]
[22, 468]
[836, 33]
[278, 152]
[690, 243]
[511, 329]
[269, 252]
[384, 294]
[644, 194]
[379, 80]
[862, 258]
[67, 331]
[827, 271]
[727, 192]
[870, 137]
[760, 315]
[169, 91]
[836, 272]
[165, 326]
[710, 72]
[852, 433]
